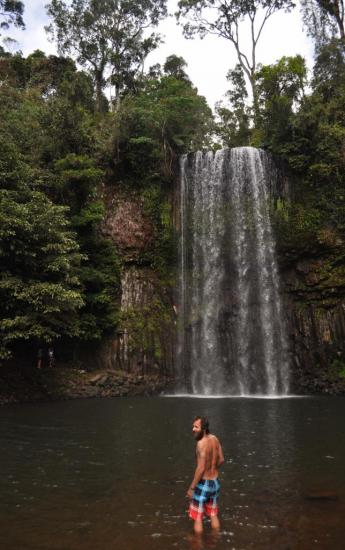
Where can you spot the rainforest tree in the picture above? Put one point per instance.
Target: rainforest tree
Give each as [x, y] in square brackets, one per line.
[324, 19]
[233, 119]
[224, 18]
[39, 287]
[280, 93]
[166, 118]
[11, 13]
[107, 36]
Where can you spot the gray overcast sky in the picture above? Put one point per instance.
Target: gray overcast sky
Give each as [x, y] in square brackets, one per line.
[208, 60]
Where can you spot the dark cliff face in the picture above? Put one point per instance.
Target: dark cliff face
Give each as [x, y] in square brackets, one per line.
[127, 225]
[145, 337]
[312, 270]
[316, 327]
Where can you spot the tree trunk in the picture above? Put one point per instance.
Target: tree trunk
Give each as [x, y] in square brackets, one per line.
[117, 101]
[256, 110]
[341, 28]
[99, 89]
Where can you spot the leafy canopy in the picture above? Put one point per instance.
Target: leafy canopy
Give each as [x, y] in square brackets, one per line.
[233, 119]
[166, 118]
[324, 20]
[280, 92]
[39, 289]
[60, 277]
[106, 35]
[11, 13]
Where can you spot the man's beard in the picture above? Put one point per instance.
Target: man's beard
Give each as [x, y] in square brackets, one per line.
[199, 435]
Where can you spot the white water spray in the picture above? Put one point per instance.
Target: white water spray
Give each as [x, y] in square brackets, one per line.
[232, 334]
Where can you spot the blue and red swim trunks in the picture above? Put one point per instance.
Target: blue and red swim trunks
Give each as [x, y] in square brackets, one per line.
[205, 499]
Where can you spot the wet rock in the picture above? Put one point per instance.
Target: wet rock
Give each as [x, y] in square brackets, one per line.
[97, 378]
[127, 224]
[322, 495]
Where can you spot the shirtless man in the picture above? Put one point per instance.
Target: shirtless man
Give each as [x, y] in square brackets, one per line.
[204, 489]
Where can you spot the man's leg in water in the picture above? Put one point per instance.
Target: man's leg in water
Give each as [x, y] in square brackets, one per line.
[198, 528]
[215, 522]
[211, 509]
[197, 507]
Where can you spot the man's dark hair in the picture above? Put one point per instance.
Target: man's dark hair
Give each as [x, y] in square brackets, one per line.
[205, 425]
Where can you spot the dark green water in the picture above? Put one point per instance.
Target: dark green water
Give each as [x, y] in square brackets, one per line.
[112, 474]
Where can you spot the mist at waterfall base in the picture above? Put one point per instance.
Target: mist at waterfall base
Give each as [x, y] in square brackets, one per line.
[231, 326]
[113, 473]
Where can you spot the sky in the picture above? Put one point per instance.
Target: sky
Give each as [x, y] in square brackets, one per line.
[208, 60]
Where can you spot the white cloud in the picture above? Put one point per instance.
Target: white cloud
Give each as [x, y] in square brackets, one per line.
[34, 36]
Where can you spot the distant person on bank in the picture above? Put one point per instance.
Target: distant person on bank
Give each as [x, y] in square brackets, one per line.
[39, 358]
[51, 358]
[204, 489]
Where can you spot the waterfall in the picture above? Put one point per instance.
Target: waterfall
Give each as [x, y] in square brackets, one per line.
[231, 327]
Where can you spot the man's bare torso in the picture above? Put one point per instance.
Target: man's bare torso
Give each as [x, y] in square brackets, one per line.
[210, 450]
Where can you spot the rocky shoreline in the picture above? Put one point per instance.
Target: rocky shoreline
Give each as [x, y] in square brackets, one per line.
[323, 383]
[31, 385]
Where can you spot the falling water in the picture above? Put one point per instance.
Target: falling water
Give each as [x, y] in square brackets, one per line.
[232, 337]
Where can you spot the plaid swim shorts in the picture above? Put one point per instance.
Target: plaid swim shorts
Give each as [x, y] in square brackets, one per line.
[205, 499]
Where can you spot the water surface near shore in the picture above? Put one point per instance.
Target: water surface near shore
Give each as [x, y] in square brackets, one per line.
[112, 474]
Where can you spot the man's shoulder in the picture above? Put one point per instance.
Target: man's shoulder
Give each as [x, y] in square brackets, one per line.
[206, 441]
[202, 444]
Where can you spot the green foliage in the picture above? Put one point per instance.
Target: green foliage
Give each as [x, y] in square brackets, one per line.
[307, 131]
[233, 124]
[337, 368]
[167, 117]
[175, 66]
[329, 70]
[60, 276]
[48, 107]
[280, 89]
[39, 287]
[316, 148]
[77, 183]
[147, 327]
[68, 127]
[297, 227]
[158, 206]
[99, 275]
[323, 19]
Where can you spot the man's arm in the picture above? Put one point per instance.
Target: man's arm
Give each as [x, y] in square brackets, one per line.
[220, 459]
[200, 468]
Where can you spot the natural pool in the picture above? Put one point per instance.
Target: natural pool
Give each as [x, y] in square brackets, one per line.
[112, 474]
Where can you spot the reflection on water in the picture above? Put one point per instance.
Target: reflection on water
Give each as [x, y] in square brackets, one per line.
[210, 539]
[112, 474]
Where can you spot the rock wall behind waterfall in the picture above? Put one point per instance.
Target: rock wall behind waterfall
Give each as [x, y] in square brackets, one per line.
[313, 283]
[145, 336]
[316, 326]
